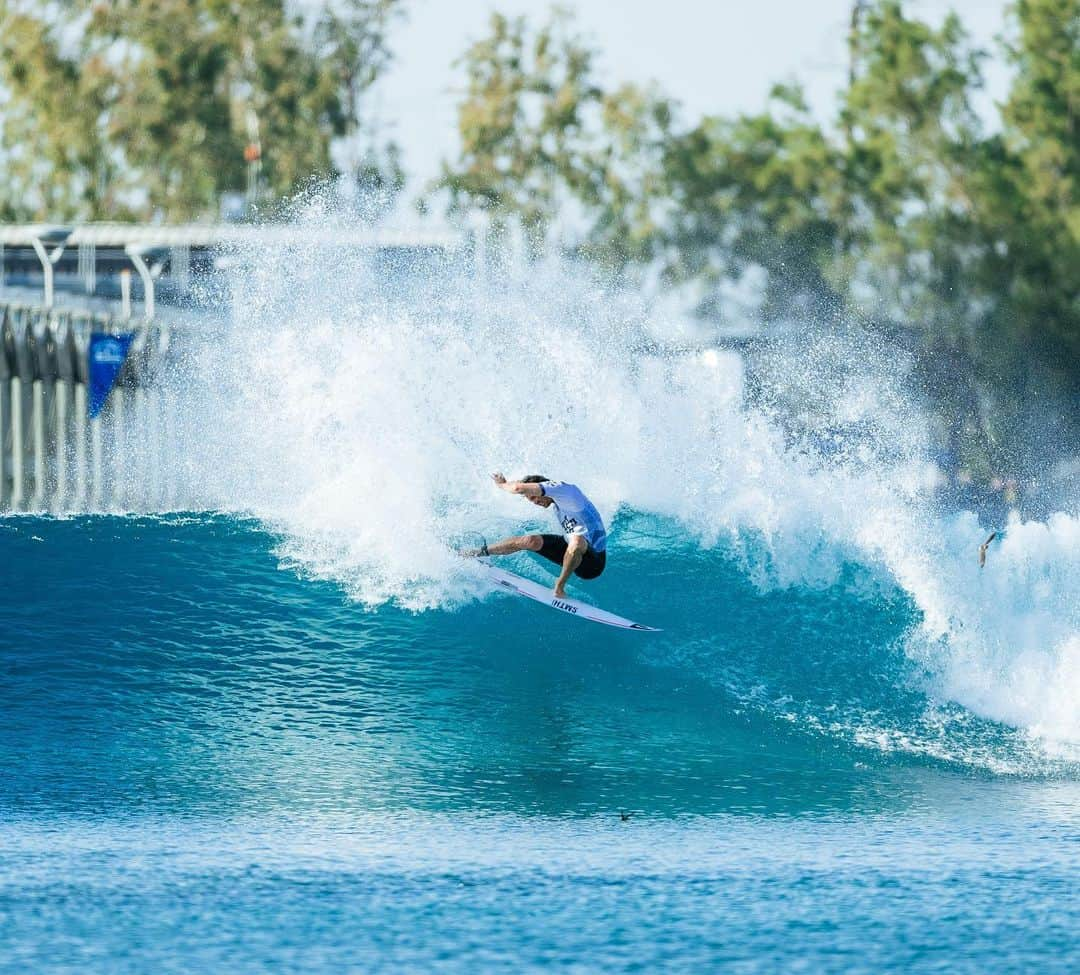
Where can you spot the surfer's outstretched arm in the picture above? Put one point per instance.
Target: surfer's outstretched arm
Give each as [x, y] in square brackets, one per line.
[530, 490]
[576, 546]
[982, 549]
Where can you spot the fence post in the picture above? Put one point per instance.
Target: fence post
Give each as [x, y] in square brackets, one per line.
[17, 485]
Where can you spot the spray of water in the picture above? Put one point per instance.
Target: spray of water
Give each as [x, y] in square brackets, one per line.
[359, 412]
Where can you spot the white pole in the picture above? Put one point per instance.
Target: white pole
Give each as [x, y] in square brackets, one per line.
[147, 281]
[5, 417]
[17, 458]
[60, 493]
[168, 440]
[118, 450]
[96, 463]
[79, 500]
[152, 430]
[125, 294]
[46, 270]
[138, 426]
[37, 426]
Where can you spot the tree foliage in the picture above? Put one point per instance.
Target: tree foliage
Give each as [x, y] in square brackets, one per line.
[122, 108]
[542, 139]
[1033, 203]
[759, 191]
[902, 211]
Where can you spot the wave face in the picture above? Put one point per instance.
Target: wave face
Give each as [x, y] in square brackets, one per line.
[358, 415]
[184, 724]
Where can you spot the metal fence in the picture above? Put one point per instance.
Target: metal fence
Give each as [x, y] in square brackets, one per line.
[54, 456]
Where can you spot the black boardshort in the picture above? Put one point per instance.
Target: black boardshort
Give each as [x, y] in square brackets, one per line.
[554, 550]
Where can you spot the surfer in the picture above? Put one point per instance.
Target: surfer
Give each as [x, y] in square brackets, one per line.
[582, 547]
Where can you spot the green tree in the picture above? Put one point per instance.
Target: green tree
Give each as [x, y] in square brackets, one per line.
[125, 108]
[912, 141]
[1033, 201]
[1027, 194]
[50, 107]
[914, 155]
[872, 213]
[760, 191]
[351, 44]
[540, 138]
[903, 212]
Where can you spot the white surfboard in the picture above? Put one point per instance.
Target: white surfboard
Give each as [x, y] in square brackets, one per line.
[543, 594]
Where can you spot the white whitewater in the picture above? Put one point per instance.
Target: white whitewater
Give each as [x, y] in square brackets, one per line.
[364, 432]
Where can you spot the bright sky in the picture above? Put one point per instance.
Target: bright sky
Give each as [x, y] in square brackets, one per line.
[718, 57]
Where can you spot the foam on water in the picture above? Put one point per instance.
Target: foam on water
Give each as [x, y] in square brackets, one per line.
[361, 423]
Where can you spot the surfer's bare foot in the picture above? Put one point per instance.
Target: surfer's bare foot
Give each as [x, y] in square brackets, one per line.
[982, 549]
[560, 593]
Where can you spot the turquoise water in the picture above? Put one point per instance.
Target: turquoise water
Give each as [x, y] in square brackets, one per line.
[299, 734]
[217, 757]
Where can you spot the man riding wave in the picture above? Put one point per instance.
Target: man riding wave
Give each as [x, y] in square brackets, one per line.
[580, 550]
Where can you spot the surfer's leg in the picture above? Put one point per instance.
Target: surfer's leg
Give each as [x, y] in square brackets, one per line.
[592, 564]
[518, 543]
[576, 547]
[552, 548]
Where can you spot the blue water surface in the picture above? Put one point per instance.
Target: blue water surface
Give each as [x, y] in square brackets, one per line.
[212, 763]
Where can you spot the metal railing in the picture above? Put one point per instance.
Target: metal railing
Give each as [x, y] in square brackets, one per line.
[86, 255]
[54, 456]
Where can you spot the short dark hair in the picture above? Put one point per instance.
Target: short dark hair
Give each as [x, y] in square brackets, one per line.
[534, 479]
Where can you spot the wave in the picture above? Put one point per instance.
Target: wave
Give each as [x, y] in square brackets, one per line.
[359, 416]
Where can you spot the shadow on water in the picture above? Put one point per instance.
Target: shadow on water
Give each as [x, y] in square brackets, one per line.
[169, 663]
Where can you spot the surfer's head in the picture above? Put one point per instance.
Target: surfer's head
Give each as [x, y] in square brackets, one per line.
[543, 501]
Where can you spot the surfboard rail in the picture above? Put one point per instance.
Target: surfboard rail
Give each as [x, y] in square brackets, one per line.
[521, 586]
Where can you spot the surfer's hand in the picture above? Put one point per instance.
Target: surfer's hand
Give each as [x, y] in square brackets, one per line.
[498, 479]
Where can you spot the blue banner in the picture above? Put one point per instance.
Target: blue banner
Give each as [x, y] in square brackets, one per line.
[107, 354]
